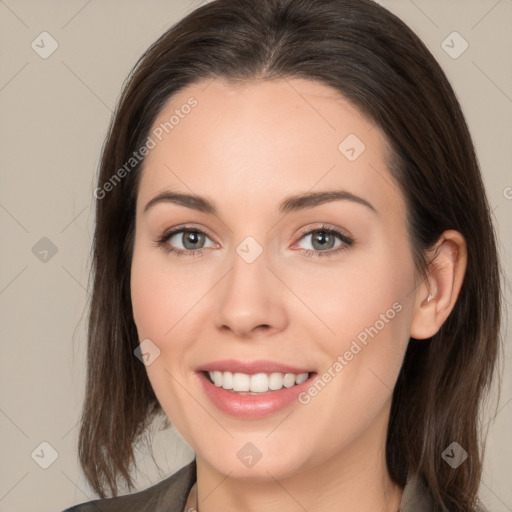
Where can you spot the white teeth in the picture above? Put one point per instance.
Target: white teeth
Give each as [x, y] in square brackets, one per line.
[302, 377]
[227, 380]
[241, 382]
[259, 383]
[275, 381]
[256, 383]
[289, 380]
[217, 378]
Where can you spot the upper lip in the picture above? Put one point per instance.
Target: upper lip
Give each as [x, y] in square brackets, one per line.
[251, 367]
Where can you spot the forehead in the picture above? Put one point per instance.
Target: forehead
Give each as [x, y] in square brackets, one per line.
[256, 143]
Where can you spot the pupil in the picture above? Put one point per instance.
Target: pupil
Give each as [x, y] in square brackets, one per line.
[324, 238]
[193, 237]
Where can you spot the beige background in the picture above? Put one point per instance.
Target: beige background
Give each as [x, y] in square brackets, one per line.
[55, 113]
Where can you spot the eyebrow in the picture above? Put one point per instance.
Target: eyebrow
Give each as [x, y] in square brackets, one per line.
[312, 199]
[291, 204]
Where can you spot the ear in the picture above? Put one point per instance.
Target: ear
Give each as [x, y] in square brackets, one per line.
[435, 299]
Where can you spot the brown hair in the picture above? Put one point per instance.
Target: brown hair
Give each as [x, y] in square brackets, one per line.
[375, 61]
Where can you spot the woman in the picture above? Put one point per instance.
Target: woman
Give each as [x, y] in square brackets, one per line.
[293, 237]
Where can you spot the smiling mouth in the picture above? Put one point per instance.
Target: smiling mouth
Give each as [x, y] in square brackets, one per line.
[257, 383]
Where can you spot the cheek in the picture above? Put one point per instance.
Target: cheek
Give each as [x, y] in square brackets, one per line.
[161, 295]
[148, 303]
[150, 298]
[160, 301]
[366, 292]
[366, 310]
[363, 357]
[165, 299]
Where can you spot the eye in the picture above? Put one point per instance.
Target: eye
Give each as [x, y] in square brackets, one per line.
[325, 241]
[184, 241]
[190, 241]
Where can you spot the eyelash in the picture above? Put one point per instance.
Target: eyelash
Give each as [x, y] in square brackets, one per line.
[347, 242]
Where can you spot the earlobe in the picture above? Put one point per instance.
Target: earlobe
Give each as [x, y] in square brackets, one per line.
[436, 299]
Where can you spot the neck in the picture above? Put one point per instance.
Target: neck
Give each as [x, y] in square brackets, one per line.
[352, 479]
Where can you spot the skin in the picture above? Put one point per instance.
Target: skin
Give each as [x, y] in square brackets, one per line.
[247, 148]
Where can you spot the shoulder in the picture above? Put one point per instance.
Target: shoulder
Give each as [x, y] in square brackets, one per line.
[169, 495]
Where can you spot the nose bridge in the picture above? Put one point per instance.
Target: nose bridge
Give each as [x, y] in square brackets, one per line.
[249, 298]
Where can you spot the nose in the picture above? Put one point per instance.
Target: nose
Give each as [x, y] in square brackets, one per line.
[250, 300]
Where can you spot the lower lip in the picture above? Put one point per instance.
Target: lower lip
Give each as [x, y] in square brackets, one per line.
[252, 406]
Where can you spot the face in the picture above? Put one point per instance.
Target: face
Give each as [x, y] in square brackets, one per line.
[268, 275]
